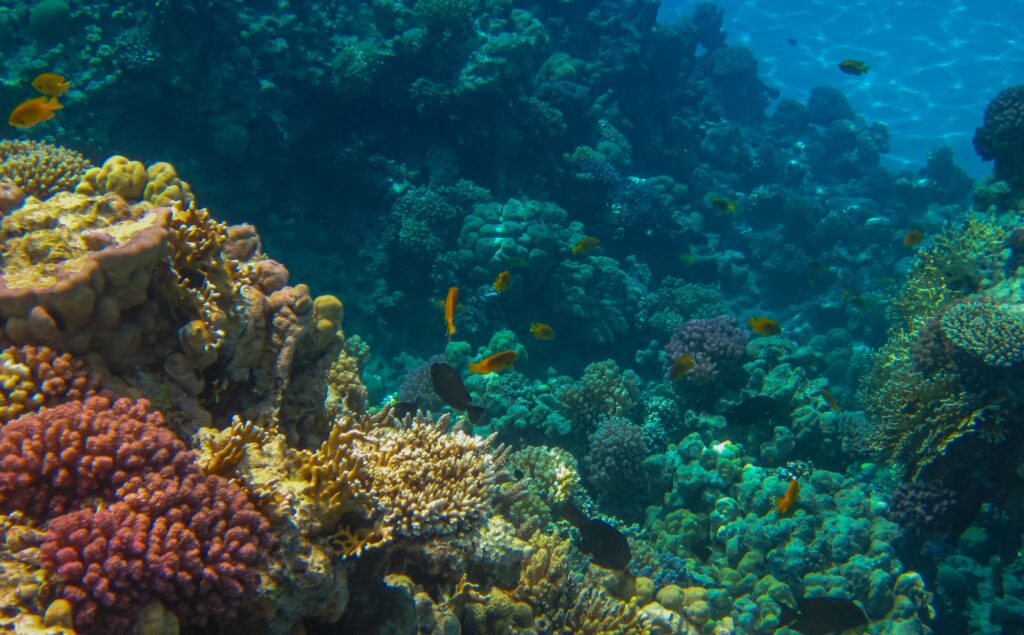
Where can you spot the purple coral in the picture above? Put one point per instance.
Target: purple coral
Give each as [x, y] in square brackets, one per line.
[1001, 136]
[614, 463]
[921, 509]
[717, 346]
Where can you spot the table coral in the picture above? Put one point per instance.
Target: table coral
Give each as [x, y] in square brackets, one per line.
[41, 169]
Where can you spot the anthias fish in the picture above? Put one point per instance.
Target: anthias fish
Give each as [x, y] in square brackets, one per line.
[542, 331]
[449, 310]
[853, 67]
[585, 245]
[493, 363]
[820, 616]
[502, 282]
[680, 367]
[606, 545]
[51, 84]
[32, 111]
[763, 325]
[913, 238]
[785, 503]
[449, 387]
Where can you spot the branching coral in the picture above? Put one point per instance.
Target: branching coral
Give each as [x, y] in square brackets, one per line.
[430, 482]
[32, 377]
[604, 391]
[716, 345]
[41, 169]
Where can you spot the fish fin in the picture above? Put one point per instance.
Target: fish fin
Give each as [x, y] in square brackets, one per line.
[788, 616]
[474, 412]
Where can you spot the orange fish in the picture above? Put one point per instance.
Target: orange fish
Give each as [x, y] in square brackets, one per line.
[542, 331]
[913, 238]
[853, 67]
[51, 84]
[783, 504]
[31, 111]
[585, 245]
[679, 368]
[763, 326]
[831, 400]
[449, 310]
[503, 281]
[493, 363]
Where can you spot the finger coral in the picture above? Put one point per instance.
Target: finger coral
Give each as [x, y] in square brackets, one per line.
[41, 169]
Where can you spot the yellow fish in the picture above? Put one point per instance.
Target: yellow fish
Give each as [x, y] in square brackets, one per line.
[853, 67]
[32, 111]
[763, 325]
[449, 310]
[503, 281]
[722, 205]
[494, 363]
[679, 368]
[585, 245]
[542, 331]
[51, 84]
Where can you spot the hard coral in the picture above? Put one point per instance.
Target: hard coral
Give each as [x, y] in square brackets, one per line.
[40, 169]
[605, 390]
[614, 463]
[1001, 136]
[158, 184]
[430, 482]
[989, 333]
[716, 344]
[62, 457]
[32, 377]
[190, 540]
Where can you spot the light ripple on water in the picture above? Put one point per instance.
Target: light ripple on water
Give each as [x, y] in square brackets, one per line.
[935, 64]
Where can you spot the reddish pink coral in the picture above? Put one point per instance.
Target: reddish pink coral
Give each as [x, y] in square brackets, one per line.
[56, 459]
[191, 540]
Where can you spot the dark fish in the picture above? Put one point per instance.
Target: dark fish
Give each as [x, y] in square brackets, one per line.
[820, 616]
[403, 409]
[753, 411]
[449, 387]
[606, 545]
[702, 552]
[792, 41]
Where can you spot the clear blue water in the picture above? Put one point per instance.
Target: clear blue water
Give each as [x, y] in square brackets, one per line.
[935, 64]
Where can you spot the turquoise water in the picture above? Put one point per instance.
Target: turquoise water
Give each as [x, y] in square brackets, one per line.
[934, 65]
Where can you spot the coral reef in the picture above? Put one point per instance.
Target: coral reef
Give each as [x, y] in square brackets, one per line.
[716, 344]
[40, 169]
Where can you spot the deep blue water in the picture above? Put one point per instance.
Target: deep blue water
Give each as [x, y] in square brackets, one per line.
[935, 64]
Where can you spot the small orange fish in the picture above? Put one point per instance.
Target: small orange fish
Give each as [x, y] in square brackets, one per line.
[542, 331]
[679, 368]
[853, 67]
[585, 245]
[503, 281]
[31, 111]
[493, 363]
[51, 84]
[449, 310]
[913, 238]
[763, 326]
[786, 502]
[831, 400]
[722, 205]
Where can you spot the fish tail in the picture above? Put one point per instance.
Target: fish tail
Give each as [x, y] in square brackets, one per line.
[474, 412]
[788, 616]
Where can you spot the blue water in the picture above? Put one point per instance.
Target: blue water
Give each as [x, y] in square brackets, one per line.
[935, 64]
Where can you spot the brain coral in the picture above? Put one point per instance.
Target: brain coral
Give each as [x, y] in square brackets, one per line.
[40, 169]
[1001, 136]
[991, 333]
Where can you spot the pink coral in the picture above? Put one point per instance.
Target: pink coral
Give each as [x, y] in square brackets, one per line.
[191, 540]
[717, 346]
[58, 458]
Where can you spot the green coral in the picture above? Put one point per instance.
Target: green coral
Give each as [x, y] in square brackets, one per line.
[989, 332]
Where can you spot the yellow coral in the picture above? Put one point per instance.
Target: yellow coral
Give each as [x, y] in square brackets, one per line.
[345, 390]
[165, 187]
[328, 312]
[553, 472]
[41, 169]
[118, 174]
[337, 476]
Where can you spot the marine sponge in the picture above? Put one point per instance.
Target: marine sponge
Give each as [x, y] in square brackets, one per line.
[41, 169]
[1001, 135]
[32, 377]
[987, 332]
[430, 482]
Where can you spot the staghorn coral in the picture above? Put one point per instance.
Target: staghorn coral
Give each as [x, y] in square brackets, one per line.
[550, 579]
[32, 377]
[430, 482]
[604, 390]
[40, 169]
[597, 613]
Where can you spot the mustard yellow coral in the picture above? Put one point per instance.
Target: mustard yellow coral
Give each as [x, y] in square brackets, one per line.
[158, 184]
[41, 169]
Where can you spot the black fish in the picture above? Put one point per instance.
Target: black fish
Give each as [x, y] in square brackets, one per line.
[449, 387]
[754, 410]
[606, 545]
[702, 552]
[792, 41]
[404, 408]
[820, 616]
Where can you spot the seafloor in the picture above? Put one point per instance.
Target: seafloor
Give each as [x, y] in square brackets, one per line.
[487, 318]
